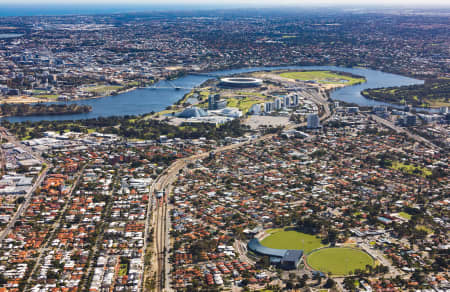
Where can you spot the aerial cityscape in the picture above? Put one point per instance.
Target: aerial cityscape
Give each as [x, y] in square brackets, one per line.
[229, 148]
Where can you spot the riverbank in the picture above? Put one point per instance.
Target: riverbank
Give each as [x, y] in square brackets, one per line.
[275, 83]
[22, 99]
[431, 94]
[147, 100]
[27, 99]
[40, 109]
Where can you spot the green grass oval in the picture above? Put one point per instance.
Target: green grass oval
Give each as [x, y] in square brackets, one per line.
[291, 239]
[339, 260]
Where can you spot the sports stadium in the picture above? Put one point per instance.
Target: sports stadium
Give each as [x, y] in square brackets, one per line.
[287, 259]
[240, 82]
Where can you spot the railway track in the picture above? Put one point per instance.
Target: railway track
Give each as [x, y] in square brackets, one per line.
[165, 180]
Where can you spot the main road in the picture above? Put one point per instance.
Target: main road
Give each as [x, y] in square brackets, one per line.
[391, 125]
[11, 139]
[55, 226]
[157, 214]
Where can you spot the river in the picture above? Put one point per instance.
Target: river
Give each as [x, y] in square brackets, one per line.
[146, 100]
[10, 35]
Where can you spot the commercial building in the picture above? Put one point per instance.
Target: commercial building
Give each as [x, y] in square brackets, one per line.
[287, 101]
[215, 103]
[408, 120]
[269, 107]
[227, 112]
[193, 112]
[278, 103]
[352, 109]
[295, 100]
[255, 109]
[313, 121]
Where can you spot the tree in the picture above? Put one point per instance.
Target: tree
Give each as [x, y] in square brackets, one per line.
[349, 284]
[330, 283]
[289, 285]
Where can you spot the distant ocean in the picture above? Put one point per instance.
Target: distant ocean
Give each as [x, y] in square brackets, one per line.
[52, 9]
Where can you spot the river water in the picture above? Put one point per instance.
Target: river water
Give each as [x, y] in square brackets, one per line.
[145, 100]
[10, 35]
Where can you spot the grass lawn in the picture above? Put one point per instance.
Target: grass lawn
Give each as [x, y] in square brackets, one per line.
[249, 93]
[325, 77]
[244, 104]
[437, 102]
[38, 91]
[411, 169]
[284, 239]
[405, 215]
[424, 228]
[274, 230]
[186, 97]
[102, 89]
[339, 261]
[25, 138]
[123, 270]
[203, 95]
[133, 83]
[47, 96]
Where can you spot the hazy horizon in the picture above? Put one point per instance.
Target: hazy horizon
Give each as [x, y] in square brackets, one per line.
[83, 7]
[237, 3]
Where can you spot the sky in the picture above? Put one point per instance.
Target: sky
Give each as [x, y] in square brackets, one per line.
[252, 3]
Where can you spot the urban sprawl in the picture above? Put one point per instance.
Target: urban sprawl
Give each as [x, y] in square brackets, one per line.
[305, 193]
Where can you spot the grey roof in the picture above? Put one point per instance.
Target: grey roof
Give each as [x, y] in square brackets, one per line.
[255, 246]
[192, 112]
[292, 255]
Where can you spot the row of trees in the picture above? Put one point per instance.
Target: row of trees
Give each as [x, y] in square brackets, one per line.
[130, 127]
[23, 109]
[415, 95]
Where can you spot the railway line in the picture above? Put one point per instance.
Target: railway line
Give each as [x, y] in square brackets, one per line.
[163, 184]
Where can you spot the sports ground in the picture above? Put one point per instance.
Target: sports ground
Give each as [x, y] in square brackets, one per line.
[339, 260]
[325, 77]
[291, 239]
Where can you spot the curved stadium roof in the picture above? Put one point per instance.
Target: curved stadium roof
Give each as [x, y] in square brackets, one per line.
[255, 246]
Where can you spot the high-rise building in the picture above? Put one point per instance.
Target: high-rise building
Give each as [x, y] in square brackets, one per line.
[255, 109]
[268, 107]
[313, 121]
[215, 103]
[410, 120]
[295, 100]
[278, 103]
[287, 101]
